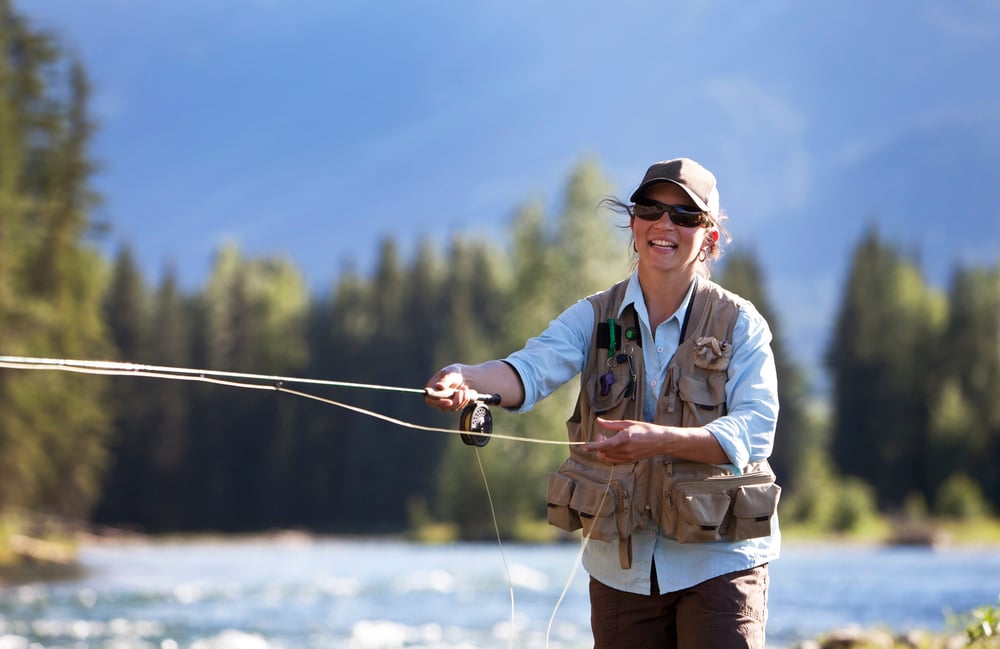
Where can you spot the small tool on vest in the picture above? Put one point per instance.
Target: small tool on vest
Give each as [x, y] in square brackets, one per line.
[607, 379]
[630, 388]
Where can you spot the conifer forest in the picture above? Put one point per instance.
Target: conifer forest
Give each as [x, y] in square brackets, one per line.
[913, 370]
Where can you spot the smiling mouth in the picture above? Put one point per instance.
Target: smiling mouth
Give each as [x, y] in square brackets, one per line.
[662, 244]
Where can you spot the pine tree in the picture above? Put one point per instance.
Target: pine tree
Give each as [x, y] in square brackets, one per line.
[53, 426]
[887, 321]
[965, 426]
[125, 310]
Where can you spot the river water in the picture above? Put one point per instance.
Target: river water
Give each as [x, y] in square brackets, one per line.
[302, 593]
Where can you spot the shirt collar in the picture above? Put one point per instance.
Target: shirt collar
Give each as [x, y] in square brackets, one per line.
[633, 295]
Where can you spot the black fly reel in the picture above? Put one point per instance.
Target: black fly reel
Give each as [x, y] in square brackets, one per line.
[476, 424]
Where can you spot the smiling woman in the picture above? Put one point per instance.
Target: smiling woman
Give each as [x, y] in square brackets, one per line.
[676, 416]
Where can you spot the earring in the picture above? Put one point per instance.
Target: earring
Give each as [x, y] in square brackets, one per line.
[703, 255]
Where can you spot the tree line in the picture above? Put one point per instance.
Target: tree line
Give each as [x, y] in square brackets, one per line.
[914, 370]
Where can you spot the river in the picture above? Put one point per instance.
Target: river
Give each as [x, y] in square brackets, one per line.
[296, 592]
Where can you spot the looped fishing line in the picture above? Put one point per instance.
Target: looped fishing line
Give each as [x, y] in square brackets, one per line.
[260, 382]
[275, 383]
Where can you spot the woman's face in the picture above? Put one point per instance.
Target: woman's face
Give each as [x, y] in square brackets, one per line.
[663, 246]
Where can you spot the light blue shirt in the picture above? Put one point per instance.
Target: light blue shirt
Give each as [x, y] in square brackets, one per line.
[746, 433]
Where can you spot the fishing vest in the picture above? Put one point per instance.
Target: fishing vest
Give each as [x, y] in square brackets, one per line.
[693, 502]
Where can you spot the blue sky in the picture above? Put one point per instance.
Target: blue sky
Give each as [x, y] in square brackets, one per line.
[314, 128]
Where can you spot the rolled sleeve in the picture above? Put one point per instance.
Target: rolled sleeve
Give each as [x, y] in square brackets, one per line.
[746, 433]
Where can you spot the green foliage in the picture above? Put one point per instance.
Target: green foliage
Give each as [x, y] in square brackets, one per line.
[960, 497]
[881, 384]
[981, 626]
[826, 502]
[915, 373]
[53, 429]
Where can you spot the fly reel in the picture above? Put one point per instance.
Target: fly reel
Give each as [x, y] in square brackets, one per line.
[475, 421]
[476, 424]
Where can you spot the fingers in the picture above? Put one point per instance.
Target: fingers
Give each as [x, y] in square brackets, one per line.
[446, 390]
[615, 425]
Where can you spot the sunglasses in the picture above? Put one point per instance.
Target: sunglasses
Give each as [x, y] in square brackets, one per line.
[684, 216]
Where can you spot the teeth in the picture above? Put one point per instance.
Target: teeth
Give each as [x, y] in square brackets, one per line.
[663, 244]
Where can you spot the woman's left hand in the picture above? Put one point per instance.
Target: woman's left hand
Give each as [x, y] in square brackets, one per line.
[630, 441]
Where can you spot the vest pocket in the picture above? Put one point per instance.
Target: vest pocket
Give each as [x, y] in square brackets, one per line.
[703, 398]
[700, 513]
[596, 504]
[592, 498]
[699, 507]
[559, 493]
[753, 509]
[610, 401]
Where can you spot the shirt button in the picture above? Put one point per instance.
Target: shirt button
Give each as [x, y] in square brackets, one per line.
[660, 349]
[653, 383]
[652, 534]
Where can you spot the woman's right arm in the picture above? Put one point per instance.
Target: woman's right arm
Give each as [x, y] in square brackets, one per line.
[455, 382]
[545, 362]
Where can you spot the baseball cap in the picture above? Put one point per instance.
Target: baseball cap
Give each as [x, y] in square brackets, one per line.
[696, 181]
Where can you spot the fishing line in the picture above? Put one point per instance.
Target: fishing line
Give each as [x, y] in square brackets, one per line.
[125, 368]
[579, 559]
[270, 382]
[503, 555]
[476, 424]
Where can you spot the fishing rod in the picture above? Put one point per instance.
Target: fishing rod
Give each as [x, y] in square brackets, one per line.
[475, 421]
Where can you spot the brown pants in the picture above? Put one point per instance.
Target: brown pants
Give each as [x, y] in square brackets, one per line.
[727, 612]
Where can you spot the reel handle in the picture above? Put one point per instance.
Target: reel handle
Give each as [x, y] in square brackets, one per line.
[479, 397]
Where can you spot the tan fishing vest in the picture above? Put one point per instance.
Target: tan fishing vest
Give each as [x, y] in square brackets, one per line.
[691, 501]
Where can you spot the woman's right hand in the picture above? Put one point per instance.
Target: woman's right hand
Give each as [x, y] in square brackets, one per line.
[446, 390]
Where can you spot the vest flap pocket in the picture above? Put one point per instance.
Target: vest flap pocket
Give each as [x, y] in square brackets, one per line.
[559, 493]
[753, 510]
[595, 504]
[609, 389]
[560, 489]
[593, 500]
[700, 513]
[701, 391]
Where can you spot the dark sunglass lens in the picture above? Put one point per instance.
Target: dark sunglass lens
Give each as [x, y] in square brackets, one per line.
[648, 212]
[686, 217]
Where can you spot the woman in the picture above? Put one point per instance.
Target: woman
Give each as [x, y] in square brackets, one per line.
[667, 472]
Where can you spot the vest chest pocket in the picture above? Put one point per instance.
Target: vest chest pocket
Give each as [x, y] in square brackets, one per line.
[703, 398]
[609, 399]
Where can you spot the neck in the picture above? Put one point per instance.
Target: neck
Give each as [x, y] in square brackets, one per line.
[664, 293]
